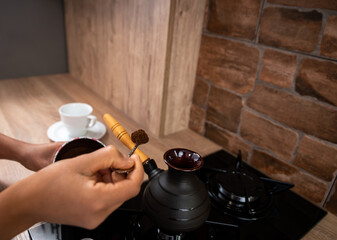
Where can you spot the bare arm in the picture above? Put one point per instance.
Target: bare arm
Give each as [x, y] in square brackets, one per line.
[32, 156]
[81, 191]
[10, 148]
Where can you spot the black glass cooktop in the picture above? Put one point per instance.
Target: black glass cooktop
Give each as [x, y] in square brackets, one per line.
[288, 215]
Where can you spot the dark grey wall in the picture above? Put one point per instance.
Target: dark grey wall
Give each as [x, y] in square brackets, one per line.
[32, 38]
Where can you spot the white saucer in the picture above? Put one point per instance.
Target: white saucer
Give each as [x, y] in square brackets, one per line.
[58, 132]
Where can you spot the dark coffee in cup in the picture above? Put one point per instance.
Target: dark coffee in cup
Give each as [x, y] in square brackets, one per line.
[76, 147]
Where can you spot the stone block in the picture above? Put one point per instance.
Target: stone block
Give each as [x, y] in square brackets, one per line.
[265, 134]
[305, 184]
[317, 158]
[197, 119]
[234, 18]
[318, 79]
[200, 93]
[228, 64]
[224, 109]
[299, 113]
[329, 40]
[278, 68]
[290, 29]
[231, 142]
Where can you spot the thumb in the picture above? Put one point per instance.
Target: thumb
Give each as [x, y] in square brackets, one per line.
[105, 158]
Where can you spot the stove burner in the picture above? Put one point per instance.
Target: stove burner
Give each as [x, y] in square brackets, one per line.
[239, 193]
[240, 196]
[239, 187]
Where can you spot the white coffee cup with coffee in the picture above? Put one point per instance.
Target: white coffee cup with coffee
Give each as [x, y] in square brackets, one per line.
[77, 118]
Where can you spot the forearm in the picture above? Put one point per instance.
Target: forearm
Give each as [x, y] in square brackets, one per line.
[15, 212]
[11, 149]
[31, 156]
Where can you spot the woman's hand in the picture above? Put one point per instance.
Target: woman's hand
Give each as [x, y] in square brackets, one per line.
[81, 191]
[31, 156]
[37, 156]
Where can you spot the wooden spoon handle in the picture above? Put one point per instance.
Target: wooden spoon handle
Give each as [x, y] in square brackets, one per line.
[123, 135]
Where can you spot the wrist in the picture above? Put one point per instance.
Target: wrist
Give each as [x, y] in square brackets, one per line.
[16, 214]
[12, 149]
[23, 154]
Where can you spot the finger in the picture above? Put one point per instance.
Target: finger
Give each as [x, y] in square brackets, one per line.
[137, 175]
[123, 164]
[129, 187]
[116, 177]
[103, 158]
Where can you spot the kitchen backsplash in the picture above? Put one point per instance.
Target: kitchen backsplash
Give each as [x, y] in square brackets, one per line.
[267, 84]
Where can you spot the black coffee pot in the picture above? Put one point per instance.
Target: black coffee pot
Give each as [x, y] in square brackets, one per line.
[176, 200]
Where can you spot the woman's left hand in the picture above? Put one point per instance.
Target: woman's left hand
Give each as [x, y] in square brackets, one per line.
[38, 156]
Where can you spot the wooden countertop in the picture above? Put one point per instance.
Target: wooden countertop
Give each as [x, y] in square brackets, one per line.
[28, 106]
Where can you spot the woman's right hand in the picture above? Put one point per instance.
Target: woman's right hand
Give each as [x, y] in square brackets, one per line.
[81, 191]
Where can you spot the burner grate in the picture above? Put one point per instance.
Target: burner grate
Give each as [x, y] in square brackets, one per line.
[238, 193]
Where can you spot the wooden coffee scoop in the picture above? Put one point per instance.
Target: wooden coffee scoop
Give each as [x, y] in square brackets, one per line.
[123, 136]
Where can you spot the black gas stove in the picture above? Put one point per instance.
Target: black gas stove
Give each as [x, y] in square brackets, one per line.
[245, 204]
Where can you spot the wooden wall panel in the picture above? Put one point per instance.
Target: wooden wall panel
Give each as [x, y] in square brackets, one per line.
[126, 50]
[186, 23]
[118, 49]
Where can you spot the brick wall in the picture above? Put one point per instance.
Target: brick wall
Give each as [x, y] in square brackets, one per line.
[267, 84]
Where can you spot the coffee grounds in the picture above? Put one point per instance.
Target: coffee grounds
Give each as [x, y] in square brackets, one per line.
[139, 137]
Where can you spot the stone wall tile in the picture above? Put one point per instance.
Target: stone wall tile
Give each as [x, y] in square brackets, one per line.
[278, 68]
[299, 113]
[200, 93]
[318, 79]
[224, 109]
[234, 18]
[265, 134]
[290, 28]
[231, 142]
[317, 158]
[329, 40]
[197, 118]
[228, 64]
[305, 184]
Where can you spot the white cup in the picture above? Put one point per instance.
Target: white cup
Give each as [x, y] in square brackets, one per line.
[77, 118]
